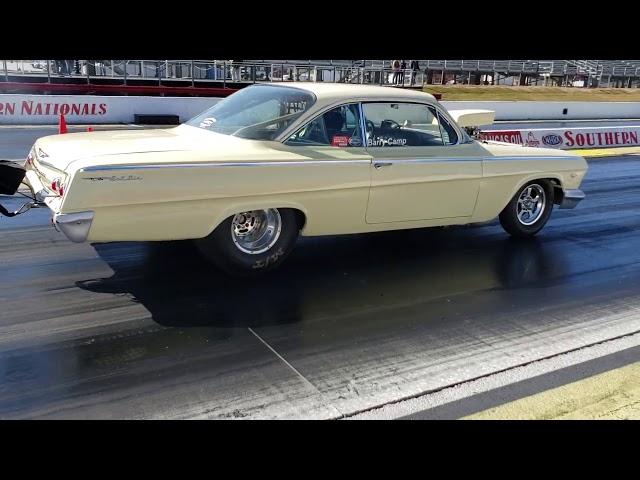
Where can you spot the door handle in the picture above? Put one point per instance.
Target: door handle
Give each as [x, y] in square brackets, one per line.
[379, 165]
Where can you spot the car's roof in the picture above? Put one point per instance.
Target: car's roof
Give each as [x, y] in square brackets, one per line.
[338, 91]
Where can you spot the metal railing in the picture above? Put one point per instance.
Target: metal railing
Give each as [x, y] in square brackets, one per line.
[358, 71]
[201, 71]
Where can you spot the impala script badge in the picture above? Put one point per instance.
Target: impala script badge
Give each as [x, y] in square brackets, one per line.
[114, 178]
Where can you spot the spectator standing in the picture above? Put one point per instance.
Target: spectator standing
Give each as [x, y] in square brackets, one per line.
[395, 66]
[61, 67]
[235, 70]
[403, 67]
[415, 68]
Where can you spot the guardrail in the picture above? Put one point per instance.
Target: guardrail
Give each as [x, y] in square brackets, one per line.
[203, 71]
[207, 71]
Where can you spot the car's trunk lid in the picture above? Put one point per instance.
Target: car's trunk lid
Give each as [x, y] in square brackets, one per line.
[58, 151]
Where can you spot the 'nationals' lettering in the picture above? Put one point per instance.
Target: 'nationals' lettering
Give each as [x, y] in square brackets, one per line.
[29, 107]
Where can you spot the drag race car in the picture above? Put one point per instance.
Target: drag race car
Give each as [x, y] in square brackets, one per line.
[249, 175]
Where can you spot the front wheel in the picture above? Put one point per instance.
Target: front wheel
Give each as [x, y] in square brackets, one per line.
[529, 209]
[251, 242]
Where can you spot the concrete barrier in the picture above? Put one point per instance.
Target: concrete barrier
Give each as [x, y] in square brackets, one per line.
[552, 110]
[17, 109]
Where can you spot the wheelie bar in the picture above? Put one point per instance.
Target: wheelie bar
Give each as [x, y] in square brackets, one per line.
[11, 177]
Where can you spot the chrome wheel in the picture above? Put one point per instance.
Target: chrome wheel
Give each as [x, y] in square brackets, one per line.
[256, 231]
[531, 204]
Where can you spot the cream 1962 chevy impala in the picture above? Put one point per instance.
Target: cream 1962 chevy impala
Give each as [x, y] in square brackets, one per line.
[268, 163]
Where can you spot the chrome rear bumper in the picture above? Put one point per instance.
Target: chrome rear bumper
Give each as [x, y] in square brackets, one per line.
[75, 226]
[571, 198]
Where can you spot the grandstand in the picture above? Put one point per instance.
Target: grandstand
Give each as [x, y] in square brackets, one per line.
[604, 72]
[202, 77]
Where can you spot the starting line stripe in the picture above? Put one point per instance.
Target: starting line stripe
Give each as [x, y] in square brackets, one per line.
[610, 395]
[607, 152]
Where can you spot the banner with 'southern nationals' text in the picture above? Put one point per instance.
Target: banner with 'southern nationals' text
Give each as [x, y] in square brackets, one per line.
[19, 109]
[567, 138]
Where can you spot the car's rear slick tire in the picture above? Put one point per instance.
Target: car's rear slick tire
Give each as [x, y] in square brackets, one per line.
[513, 222]
[220, 248]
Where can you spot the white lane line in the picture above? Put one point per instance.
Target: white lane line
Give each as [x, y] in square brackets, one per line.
[304, 379]
[492, 381]
[281, 358]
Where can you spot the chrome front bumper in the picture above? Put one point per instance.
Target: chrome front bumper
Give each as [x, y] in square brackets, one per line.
[571, 198]
[75, 226]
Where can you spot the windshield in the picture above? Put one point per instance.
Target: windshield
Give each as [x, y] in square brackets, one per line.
[259, 112]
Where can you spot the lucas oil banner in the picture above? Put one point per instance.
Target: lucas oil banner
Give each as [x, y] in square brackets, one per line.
[567, 138]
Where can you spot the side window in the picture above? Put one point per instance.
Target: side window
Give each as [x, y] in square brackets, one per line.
[339, 127]
[449, 135]
[401, 125]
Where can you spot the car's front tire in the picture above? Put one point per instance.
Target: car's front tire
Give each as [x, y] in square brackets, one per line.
[251, 242]
[529, 209]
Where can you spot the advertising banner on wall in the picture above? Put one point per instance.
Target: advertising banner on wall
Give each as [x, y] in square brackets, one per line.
[568, 138]
[89, 109]
[20, 109]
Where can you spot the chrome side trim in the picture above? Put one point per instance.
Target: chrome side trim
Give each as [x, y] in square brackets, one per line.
[98, 168]
[439, 117]
[75, 226]
[532, 157]
[103, 168]
[428, 160]
[462, 159]
[363, 127]
[571, 198]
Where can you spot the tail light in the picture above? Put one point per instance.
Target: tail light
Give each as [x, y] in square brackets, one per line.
[57, 186]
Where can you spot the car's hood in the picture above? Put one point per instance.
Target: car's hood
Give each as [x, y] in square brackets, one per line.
[60, 151]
